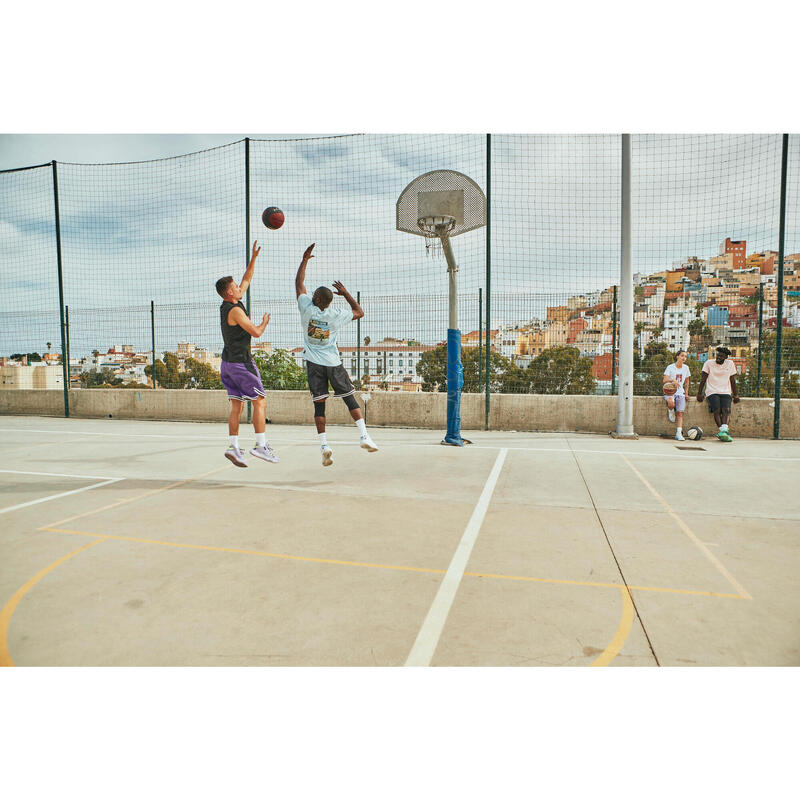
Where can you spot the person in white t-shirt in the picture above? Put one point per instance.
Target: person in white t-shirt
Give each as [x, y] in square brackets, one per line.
[321, 325]
[680, 374]
[719, 383]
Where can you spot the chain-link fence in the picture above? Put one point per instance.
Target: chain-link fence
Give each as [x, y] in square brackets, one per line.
[127, 275]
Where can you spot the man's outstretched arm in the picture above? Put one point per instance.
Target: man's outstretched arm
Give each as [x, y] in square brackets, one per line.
[358, 312]
[248, 273]
[300, 280]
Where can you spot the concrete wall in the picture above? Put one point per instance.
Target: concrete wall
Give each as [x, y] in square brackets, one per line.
[518, 412]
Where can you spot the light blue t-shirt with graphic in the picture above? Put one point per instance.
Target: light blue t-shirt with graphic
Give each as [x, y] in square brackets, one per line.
[321, 330]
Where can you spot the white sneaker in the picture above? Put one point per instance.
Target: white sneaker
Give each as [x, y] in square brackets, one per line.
[671, 414]
[368, 444]
[327, 455]
[236, 456]
[679, 437]
[266, 453]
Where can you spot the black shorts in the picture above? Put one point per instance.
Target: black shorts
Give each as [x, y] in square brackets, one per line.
[718, 402]
[319, 376]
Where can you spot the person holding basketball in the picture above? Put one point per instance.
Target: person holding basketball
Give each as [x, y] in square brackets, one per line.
[676, 387]
[321, 326]
[239, 374]
[719, 384]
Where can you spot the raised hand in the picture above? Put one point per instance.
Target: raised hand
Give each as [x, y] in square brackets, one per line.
[307, 253]
[340, 290]
[265, 320]
[256, 250]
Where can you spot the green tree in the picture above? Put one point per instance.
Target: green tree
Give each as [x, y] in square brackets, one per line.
[280, 371]
[432, 368]
[168, 375]
[559, 370]
[747, 384]
[201, 376]
[105, 379]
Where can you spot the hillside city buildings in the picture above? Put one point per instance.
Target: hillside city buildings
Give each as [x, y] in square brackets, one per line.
[721, 292]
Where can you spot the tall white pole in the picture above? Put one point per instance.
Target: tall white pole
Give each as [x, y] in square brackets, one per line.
[625, 397]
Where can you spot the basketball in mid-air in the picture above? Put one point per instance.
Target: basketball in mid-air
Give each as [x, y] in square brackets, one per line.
[670, 387]
[273, 218]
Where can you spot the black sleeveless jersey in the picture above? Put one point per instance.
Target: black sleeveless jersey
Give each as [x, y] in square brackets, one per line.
[237, 340]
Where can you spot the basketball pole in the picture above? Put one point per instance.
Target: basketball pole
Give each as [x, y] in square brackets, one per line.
[454, 367]
[625, 397]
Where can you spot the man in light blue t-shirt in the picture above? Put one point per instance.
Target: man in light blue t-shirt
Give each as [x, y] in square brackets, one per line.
[321, 326]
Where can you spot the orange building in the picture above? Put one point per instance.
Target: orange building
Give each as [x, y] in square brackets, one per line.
[738, 249]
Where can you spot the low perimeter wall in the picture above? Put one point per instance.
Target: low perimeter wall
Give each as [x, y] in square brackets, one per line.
[509, 412]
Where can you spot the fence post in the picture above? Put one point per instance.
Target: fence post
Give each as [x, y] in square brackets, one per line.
[487, 376]
[64, 364]
[66, 322]
[358, 345]
[614, 344]
[480, 335]
[247, 236]
[760, 318]
[153, 339]
[625, 398]
[776, 424]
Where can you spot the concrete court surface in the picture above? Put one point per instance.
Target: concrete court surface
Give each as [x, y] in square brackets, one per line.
[137, 543]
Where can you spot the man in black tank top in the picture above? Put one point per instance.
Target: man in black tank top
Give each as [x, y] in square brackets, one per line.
[238, 371]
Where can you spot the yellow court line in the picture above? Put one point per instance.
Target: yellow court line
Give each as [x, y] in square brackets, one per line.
[11, 605]
[137, 497]
[688, 531]
[400, 568]
[625, 624]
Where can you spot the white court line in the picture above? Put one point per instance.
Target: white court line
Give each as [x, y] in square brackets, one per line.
[428, 636]
[57, 474]
[61, 494]
[389, 443]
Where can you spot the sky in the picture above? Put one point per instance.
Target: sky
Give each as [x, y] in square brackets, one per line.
[165, 230]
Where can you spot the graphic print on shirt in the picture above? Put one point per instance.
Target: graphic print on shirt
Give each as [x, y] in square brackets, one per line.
[319, 330]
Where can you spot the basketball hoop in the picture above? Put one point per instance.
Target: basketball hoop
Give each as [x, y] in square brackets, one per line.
[433, 229]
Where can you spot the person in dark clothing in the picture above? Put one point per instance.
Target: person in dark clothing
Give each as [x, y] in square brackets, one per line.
[239, 374]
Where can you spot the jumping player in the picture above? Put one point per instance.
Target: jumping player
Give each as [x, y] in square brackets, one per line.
[321, 325]
[238, 371]
[720, 389]
[676, 404]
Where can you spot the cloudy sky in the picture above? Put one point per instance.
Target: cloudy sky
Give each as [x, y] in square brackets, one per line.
[164, 230]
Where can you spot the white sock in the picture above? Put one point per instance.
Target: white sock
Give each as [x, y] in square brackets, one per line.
[362, 427]
[680, 429]
[261, 439]
[723, 427]
[323, 439]
[234, 441]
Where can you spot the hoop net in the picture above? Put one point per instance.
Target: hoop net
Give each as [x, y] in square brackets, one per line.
[433, 229]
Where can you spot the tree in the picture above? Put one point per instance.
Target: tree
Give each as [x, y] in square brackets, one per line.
[49, 345]
[559, 370]
[30, 356]
[280, 371]
[105, 379]
[167, 374]
[747, 383]
[432, 368]
[201, 376]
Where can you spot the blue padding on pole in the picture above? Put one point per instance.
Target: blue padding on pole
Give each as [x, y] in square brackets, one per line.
[455, 380]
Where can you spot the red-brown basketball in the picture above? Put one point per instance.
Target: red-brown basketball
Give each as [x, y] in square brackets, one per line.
[273, 218]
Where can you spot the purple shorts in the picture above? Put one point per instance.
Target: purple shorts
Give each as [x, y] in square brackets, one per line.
[680, 402]
[242, 381]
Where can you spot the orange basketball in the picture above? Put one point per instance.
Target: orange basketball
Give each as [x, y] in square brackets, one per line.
[670, 387]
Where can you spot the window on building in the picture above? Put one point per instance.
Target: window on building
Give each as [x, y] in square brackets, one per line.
[391, 362]
[400, 363]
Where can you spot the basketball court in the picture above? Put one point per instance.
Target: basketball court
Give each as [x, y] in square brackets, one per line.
[137, 543]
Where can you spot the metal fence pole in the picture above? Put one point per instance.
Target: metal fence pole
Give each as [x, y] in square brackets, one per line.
[614, 344]
[487, 376]
[358, 345]
[776, 424]
[153, 339]
[66, 322]
[247, 236]
[480, 335]
[625, 399]
[760, 318]
[64, 364]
